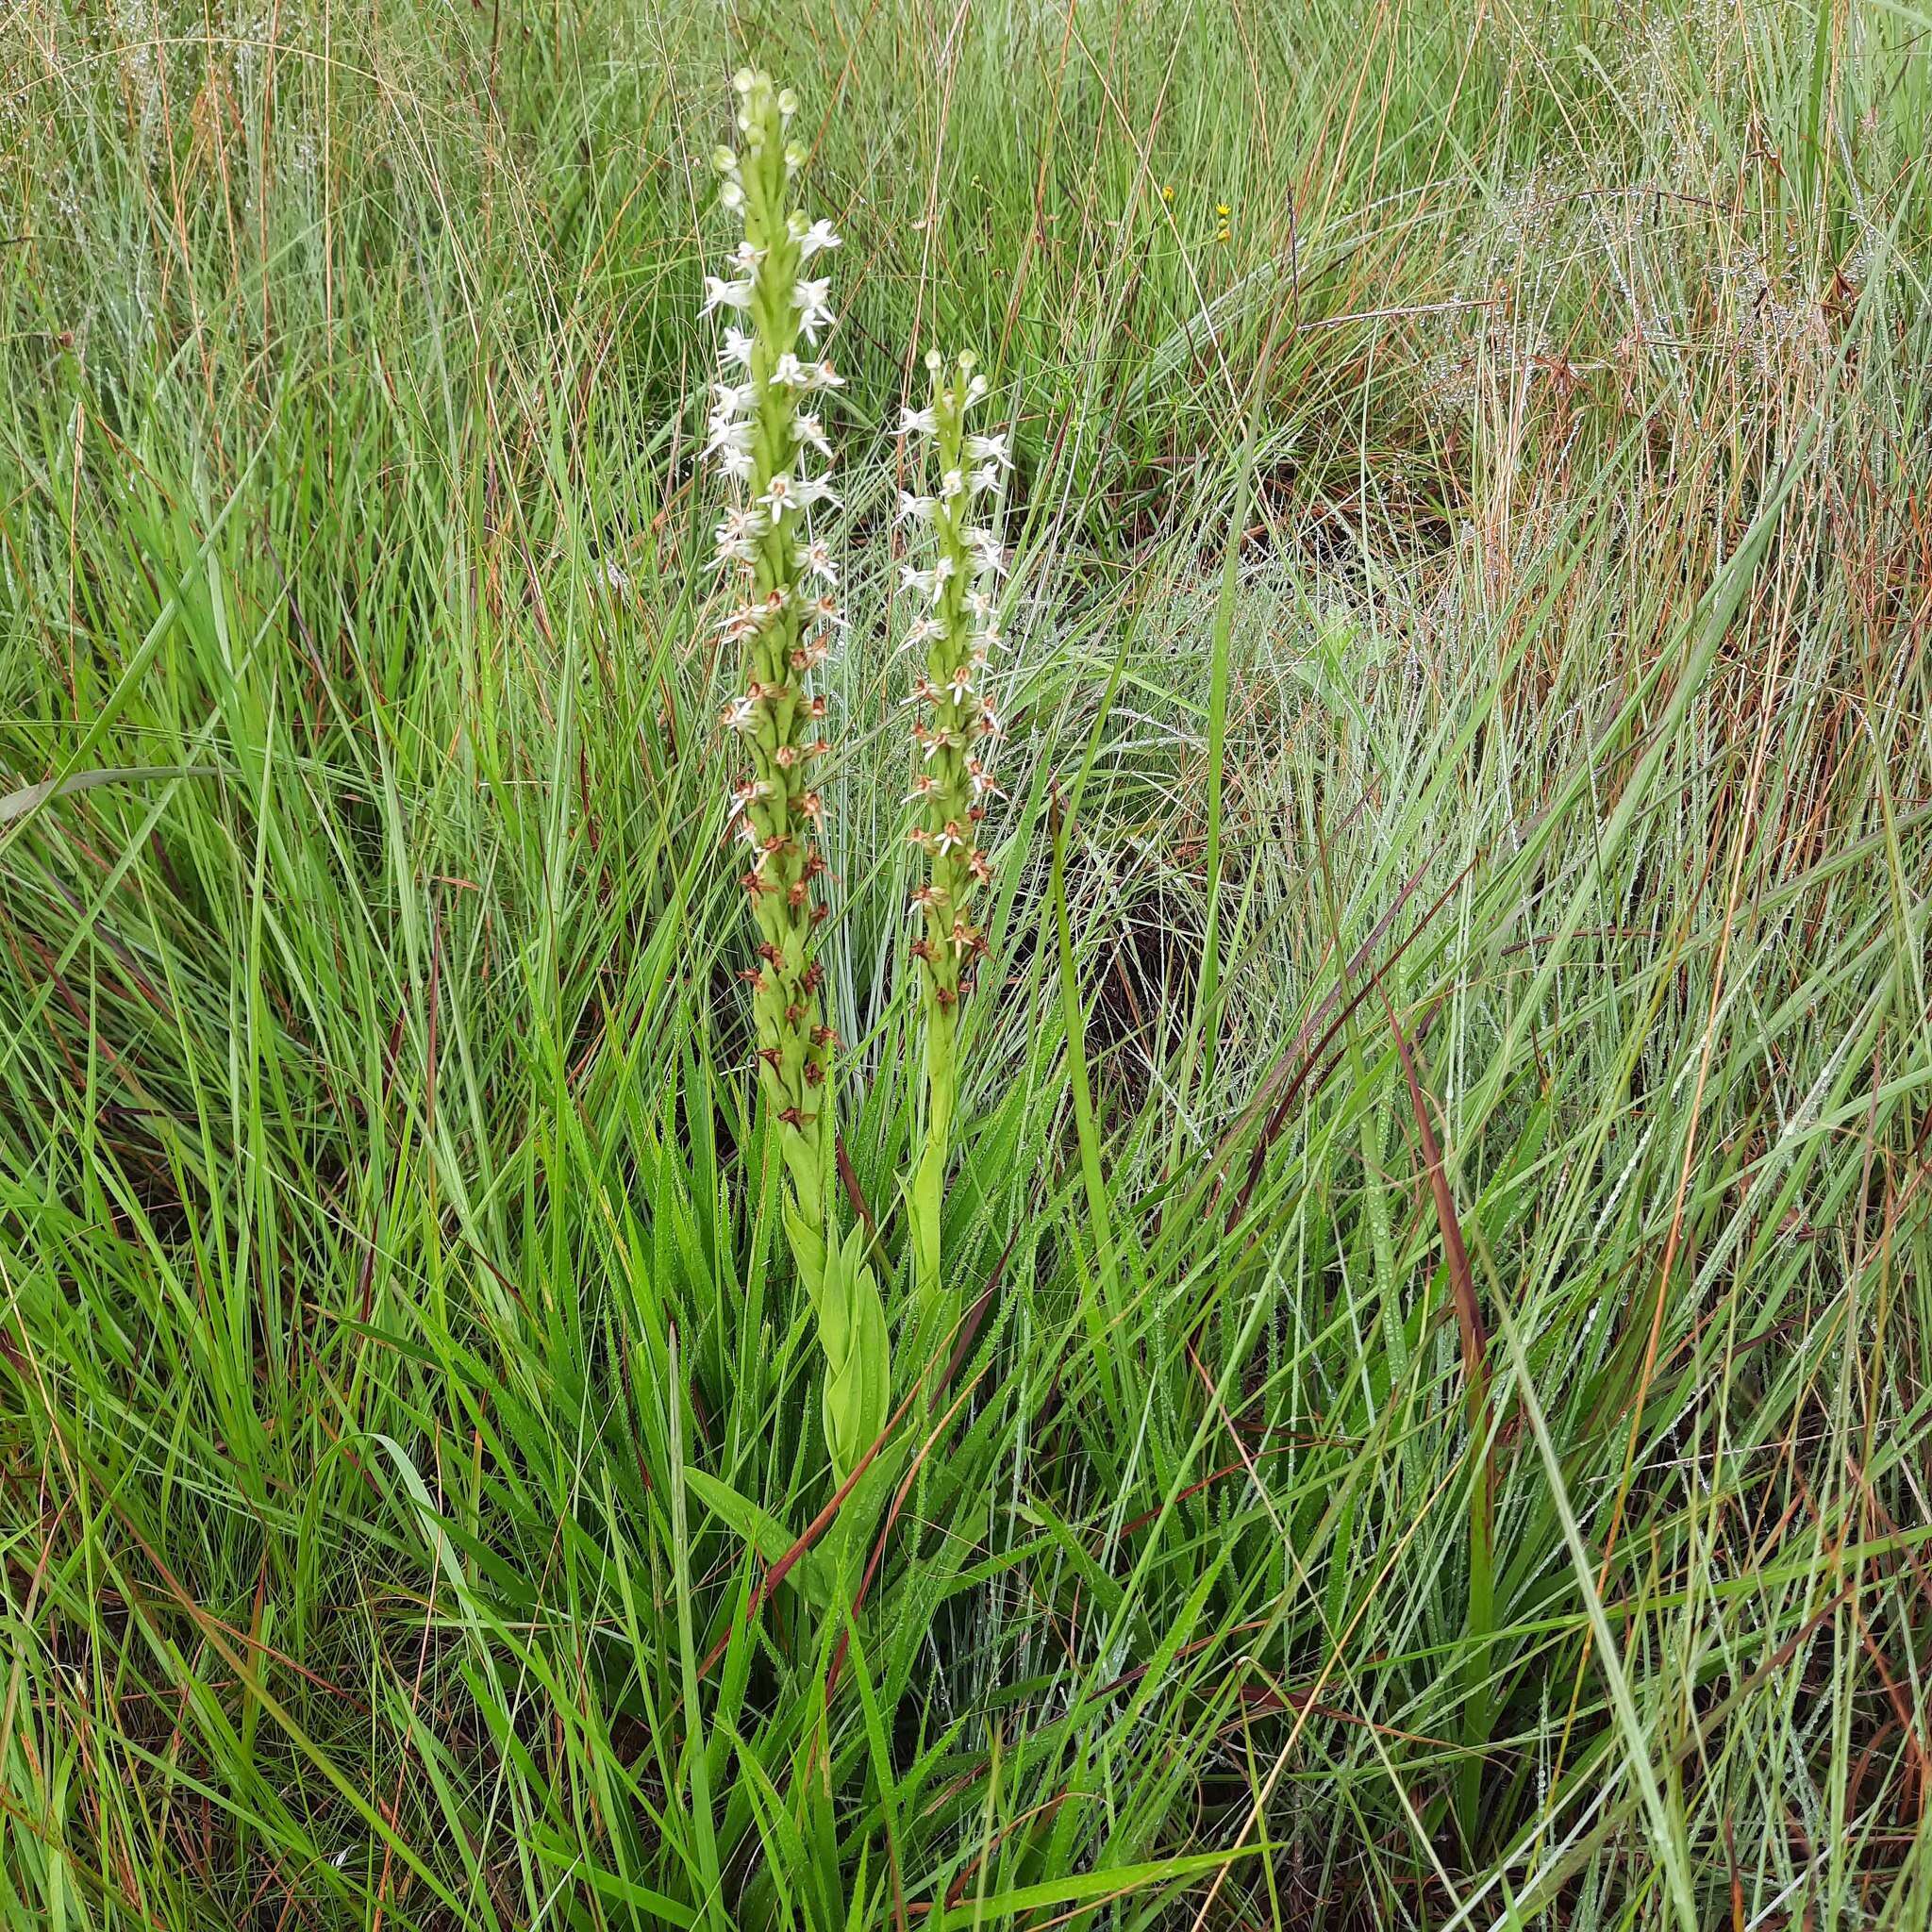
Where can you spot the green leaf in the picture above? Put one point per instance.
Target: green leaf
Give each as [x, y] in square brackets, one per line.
[28, 798]
[759, 1528]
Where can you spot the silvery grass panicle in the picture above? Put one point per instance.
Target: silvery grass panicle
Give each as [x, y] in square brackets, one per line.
[952, 638]
[769, 441]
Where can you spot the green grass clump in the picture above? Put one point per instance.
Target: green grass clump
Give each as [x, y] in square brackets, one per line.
[1439, 1191]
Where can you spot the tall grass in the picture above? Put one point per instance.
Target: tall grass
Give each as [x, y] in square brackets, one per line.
[1443, 1436]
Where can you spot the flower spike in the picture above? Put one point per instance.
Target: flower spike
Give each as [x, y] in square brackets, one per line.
[782, 619]
[951, 634]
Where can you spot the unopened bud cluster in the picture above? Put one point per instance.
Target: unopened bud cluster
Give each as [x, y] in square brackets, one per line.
[771, 445]
[954, 637]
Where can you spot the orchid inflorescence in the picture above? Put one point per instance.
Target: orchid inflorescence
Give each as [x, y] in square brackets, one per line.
[953, 638]
[772, 449]
[785, 611]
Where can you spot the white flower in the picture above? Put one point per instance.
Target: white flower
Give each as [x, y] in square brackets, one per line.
[917, 422]
[818, 236]
[737, 533]
[943, 570]
[806, 491]
[952, 483]
[809, 430]
[923, 630]
[745, 256]
[986, 478]
[727, 433]
[735, 463]
[743, 796]
[814, 312]
[816, 558]
[960, 685]
[790, 373]
[719, 293]
[989, 449]
[740, 714]
[782, 495]
[975, 390]
[986, 549]
[981, 780]
[823, 609]
[736, 349]
[734, 398]
[912, 578]
[991, 638]
[949, 840]
[731, 195]
[746, 621]
[916, 509]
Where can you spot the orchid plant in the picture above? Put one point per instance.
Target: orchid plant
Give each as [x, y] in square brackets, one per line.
[953, 637]
[771, 447]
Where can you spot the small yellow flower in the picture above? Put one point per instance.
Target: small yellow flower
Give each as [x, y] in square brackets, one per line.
[1167, 192]
[1221, 208]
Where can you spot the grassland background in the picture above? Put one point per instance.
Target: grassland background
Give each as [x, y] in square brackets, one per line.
[1475, 608]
